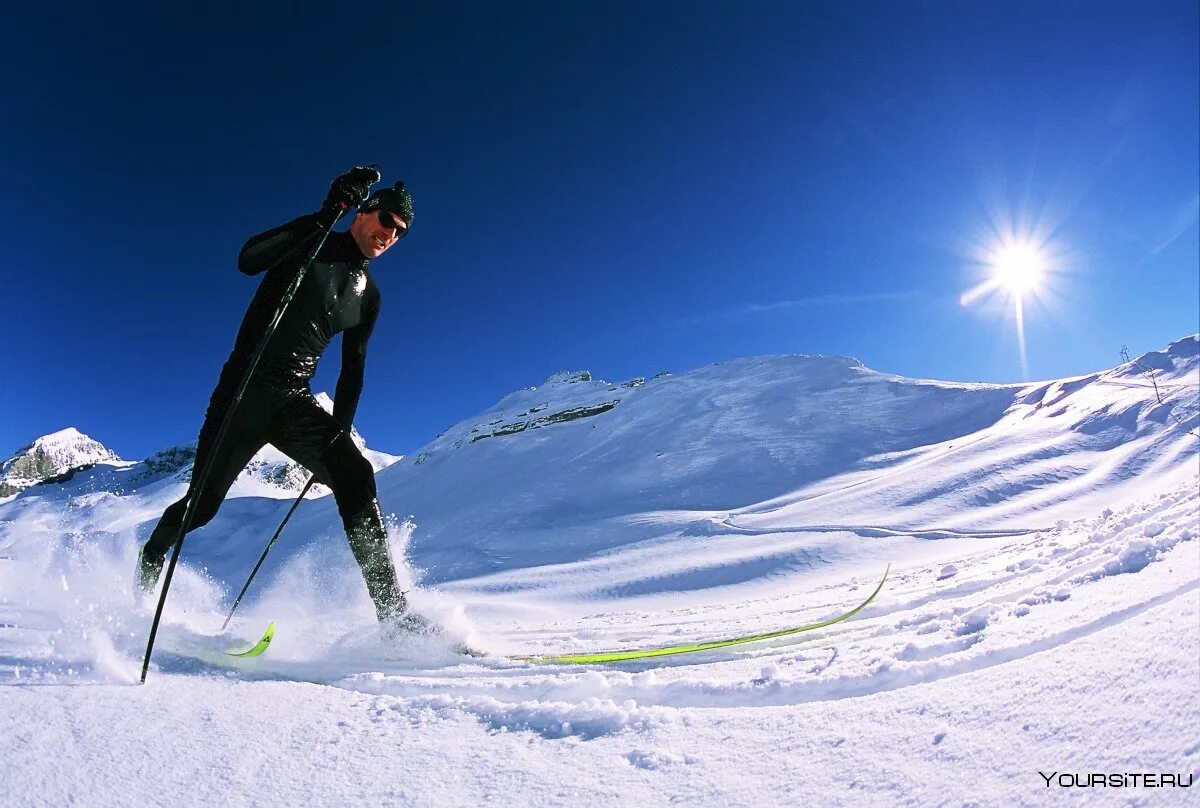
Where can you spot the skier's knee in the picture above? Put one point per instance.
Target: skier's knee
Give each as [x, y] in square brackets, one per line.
[206, 509]
[348, 468]
[360, 473]
[175, 511]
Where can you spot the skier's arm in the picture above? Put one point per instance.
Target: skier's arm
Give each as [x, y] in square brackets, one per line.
[268, 249]
[354, 360]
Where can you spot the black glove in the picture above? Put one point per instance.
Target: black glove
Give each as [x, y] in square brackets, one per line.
[351, 188]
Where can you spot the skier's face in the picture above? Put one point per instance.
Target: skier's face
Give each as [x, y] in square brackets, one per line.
[372, 235]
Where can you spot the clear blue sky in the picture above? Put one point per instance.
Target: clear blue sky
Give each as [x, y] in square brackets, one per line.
[623, 188]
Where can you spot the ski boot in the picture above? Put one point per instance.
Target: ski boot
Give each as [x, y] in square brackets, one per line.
[154, 553]
[149, 568]
[368, 543]
[408, 624]
[399, 628]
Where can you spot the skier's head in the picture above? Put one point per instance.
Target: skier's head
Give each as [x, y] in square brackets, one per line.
[396, 199]
[382, 220]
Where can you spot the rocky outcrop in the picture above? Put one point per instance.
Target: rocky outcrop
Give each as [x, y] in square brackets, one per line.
[569, 377]
[568, 395]
[169, 461]
[560, 417]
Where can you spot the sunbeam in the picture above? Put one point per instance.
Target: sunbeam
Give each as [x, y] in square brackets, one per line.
[1018, 264]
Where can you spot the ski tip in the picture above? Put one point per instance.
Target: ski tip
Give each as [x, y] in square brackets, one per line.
[259, 647]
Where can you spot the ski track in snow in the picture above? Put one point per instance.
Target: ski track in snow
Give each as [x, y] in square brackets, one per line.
[916, 634]
[1022, 595]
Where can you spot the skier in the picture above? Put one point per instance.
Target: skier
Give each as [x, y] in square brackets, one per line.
[337, 295]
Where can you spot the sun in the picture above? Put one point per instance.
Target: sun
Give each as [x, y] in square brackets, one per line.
[1019, 268]
[1015, 267]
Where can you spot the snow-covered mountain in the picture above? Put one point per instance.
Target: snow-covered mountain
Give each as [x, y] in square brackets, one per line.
[578, 466]
[1041, 610]
[51, 456]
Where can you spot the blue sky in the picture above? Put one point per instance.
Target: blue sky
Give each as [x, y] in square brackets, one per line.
[623, 189]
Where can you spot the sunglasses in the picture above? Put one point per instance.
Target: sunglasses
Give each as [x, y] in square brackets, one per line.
[388, 221]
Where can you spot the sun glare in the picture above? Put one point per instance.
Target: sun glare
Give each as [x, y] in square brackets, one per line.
[1019, 268]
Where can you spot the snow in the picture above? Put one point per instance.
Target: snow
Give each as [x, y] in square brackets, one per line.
[1042, 613]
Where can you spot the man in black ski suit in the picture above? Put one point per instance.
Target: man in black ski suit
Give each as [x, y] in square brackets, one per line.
[336, 296]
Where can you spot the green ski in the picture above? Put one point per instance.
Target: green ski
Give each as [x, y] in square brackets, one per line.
[646, 653]
[259, 647]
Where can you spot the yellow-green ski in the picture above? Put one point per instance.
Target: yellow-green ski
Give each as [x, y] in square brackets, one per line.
[625, 656]
[260, 646]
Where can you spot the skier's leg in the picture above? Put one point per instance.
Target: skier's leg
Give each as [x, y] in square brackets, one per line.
[313, 438]
[368, 540]
[241, 443]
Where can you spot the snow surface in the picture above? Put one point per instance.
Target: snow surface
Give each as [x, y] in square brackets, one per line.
[1042, 613]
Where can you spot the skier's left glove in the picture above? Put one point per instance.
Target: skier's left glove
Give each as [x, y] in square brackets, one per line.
[351, 188]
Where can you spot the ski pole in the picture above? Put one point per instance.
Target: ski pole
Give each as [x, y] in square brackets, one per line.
[198, 485]
[263, 557]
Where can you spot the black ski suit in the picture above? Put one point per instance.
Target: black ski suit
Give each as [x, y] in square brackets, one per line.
[337, 295]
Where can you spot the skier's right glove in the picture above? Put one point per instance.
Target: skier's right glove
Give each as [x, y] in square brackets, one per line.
[351, 188]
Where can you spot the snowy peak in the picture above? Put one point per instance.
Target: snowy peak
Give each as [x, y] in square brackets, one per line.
[570, 396]
[50, 456]
[69, 445]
